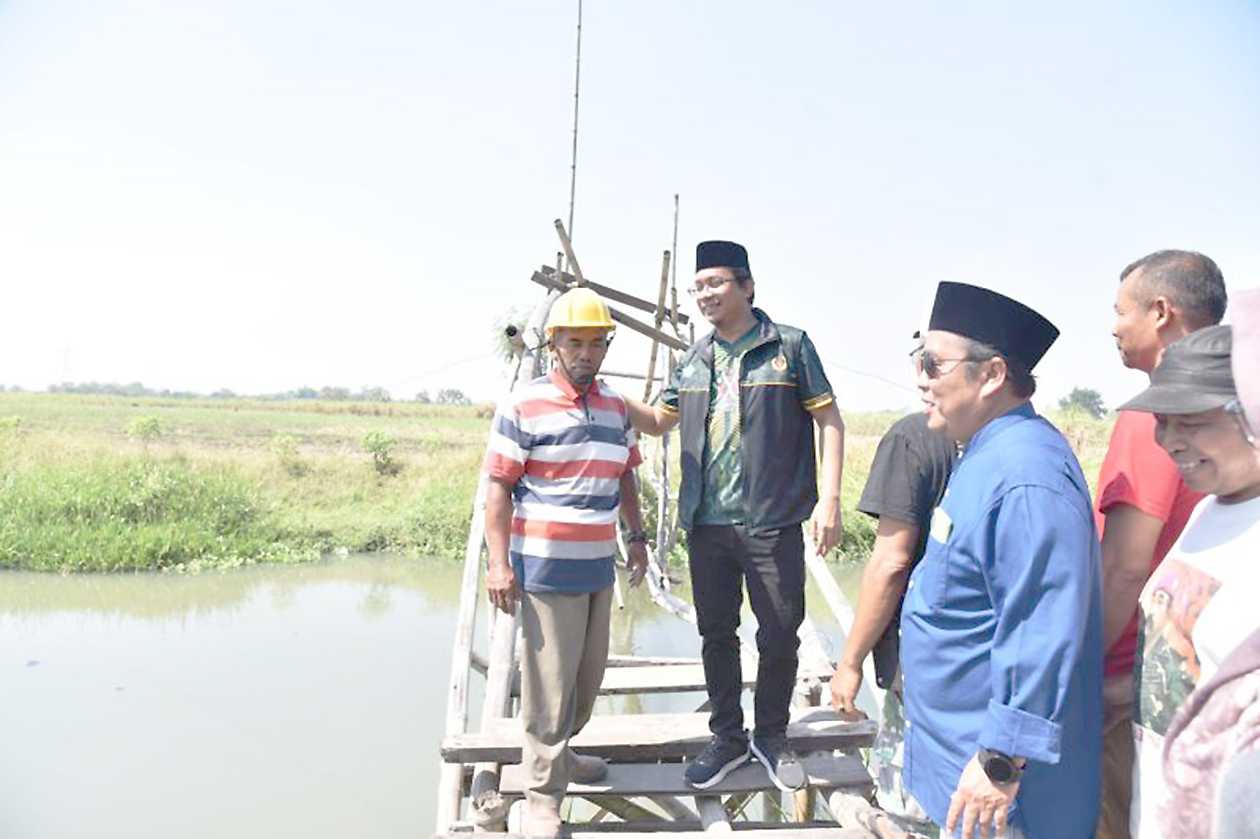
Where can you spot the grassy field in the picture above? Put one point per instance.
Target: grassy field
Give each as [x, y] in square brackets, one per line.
[94, 484]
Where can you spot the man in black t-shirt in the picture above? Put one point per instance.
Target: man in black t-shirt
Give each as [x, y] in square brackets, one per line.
[907, 480]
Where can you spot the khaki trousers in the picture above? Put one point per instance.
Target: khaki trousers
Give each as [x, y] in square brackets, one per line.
[562, 666]
[1117, 757]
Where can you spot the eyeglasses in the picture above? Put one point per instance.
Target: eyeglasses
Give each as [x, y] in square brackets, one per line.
[929, 363]
[714, 281]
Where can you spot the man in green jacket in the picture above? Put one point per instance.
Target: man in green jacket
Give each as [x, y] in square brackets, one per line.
[748, 397]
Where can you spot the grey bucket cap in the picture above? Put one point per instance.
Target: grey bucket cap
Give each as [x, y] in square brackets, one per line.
[1193, 376]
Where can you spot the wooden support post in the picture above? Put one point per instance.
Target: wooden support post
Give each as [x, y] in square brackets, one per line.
[660, 319]
[852, 810]
[450, 785]
[712, 815]
[674, 808]
[568, 252]
[489, 809]
[623, 808]
[772, 805]
[808, 694]
[477, 662]
[736, 803]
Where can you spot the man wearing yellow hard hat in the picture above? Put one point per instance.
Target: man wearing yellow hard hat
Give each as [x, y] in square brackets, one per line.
[560, 464]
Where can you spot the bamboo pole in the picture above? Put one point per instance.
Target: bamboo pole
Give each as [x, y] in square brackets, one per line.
[478, 662]
[852, 810]
[617, 374]
[568, 253]
[489, 809]
[674, 808]
[712, 814]
[623, 808]
[567, 280]
[577, 88]
[808, 694]
[736, 804]
[617, 315]
[664, 533]
[450, 783]
[660, 319]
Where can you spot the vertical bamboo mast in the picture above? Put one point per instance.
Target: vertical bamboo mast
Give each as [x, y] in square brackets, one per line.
[577, 86]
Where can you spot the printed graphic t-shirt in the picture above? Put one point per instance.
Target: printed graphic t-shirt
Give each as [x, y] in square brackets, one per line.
[722, 500]
[1137, 472]
[1195, 609]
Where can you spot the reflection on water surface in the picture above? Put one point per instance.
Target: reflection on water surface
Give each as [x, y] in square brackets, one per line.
[274, 701]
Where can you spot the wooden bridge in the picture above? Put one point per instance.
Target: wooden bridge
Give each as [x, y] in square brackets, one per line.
[481, 788]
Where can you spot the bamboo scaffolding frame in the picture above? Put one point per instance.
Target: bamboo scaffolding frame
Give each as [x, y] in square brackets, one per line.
[489, 806]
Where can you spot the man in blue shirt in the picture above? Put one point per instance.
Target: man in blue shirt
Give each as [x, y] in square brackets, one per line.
[1002, 624]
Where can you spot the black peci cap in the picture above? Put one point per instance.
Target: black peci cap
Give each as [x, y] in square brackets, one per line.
[720, 254]
[994, 319]
[1193, 376]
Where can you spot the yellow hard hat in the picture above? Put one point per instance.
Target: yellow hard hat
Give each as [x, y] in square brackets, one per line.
[579, 308]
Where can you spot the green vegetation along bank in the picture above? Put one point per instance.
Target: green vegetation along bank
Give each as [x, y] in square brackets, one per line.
[108, 483]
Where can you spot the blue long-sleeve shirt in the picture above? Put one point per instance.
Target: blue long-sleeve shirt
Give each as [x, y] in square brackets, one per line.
[1001, 632]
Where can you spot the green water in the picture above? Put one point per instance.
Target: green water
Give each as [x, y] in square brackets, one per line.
[271, 702]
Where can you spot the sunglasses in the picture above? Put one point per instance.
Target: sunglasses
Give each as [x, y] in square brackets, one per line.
[930, 364]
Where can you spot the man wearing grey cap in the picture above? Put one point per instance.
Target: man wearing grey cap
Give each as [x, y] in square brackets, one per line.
[1199, 605]
[1001, 631]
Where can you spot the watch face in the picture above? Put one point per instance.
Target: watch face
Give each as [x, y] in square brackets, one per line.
[999, 769]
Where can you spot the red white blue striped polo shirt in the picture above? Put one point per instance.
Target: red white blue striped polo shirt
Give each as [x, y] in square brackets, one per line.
[565, 453]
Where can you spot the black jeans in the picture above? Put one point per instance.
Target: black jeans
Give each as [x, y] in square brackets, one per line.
[773, 563]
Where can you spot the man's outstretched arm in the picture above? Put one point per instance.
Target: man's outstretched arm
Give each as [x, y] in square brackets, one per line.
[650, 419]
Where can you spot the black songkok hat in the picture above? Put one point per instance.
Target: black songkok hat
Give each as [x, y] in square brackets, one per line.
[1015, 330]
[1193, 376]
[720, 254]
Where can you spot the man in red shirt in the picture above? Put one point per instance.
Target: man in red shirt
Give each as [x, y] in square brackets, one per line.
[1142, 503]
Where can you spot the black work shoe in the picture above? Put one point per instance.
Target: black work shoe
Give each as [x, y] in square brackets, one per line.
[781, 763]
[716, 761]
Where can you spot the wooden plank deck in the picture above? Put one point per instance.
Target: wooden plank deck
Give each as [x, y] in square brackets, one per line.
[652, 779]
[644, 738]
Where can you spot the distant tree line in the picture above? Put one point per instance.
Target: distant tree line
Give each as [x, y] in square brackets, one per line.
[446, 396]
[115, 389]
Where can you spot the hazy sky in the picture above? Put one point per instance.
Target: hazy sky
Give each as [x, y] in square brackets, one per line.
[261, 195]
